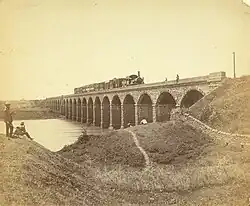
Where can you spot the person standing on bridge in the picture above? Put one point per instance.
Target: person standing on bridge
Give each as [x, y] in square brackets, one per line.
[8, 119]
[177, 78]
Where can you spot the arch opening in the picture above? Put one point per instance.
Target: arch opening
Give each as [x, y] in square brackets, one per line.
[79, 112]
[145, 108]
[128, 111]
[165, 103]
[67, 109]
[116, 112]
[84, 111]
[70, 109]
[190, 98]
[63, 107]
[106, 112]
[60, 106]
[74, 110]
[90, 111]
[97, 112]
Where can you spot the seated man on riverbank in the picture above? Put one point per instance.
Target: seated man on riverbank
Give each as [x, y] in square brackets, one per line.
[143, 121]
[129, 124]
[21, 130]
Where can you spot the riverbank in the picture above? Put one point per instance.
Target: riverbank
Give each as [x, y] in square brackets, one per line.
[32, 114]
[33, 175]
[186, 166]
[198, 171]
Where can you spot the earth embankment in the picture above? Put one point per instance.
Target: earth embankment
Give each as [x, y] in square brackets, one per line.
[114, 148]
[227, 108]
[187, 166]
[33, 175]
[171, 142]
[198, 172]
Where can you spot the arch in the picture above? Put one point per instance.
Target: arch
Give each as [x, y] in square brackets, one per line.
[128, 110]
[84, 110]
[70, 109]
[191, 97]
[59, 106]
[97, 112]
[116, 112]
[90, 111]
[79, 110]
[67, 109]
[164, 104]
[145, 108]
[74, 110]
[63, 107]
[106, 112]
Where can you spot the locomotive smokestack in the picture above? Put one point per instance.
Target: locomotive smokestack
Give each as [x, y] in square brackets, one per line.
[139, 75]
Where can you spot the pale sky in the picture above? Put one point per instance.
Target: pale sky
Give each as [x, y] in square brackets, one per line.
[48, 47]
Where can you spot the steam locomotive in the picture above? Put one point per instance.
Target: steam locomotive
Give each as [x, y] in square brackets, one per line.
[114, 83]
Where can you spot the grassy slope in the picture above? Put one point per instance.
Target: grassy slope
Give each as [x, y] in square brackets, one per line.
[227, 108]
[32, 175]
[164, 143]
[172, 142]
[194, 170]
[114, 148]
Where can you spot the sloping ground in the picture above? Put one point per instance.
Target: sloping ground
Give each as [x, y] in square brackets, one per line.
[116, 147]
[194, 169]
[32, 175]
[172, 142]
[227, 108]
[215, 174]
[164, 143]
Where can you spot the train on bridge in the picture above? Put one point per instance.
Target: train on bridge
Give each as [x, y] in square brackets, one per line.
[113, 83]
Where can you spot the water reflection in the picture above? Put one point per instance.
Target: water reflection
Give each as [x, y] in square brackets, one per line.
[55, 133]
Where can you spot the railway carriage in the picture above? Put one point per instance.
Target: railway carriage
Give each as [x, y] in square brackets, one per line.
[111, 84]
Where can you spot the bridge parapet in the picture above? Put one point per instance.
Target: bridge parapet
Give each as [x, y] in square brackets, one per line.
[216, 76]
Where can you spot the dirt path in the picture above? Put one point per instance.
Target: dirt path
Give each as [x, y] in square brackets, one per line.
[140, 148]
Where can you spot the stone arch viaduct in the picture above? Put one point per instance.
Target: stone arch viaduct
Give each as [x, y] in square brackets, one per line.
[115, 108]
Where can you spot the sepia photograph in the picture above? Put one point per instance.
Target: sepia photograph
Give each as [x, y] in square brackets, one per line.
[125, 103]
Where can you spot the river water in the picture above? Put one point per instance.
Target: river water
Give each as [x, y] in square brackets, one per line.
[54, 133]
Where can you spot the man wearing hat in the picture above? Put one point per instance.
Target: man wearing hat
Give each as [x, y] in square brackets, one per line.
[21, 130]
[8, 120]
